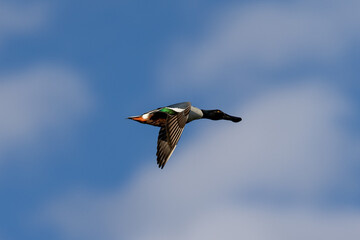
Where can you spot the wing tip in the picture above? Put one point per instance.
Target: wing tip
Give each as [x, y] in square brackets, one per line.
[161, 164]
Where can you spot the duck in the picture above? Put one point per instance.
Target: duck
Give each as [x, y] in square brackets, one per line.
[172, 120]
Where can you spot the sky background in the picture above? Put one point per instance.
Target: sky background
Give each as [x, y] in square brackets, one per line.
[72, 166]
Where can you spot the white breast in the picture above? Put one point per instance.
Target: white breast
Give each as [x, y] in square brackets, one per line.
[195, 113]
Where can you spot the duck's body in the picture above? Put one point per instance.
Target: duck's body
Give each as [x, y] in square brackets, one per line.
[172, 120]
[159, 116]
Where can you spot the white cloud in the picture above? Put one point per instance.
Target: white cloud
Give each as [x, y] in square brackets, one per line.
[245, 40]
[20, 18]
[38, 100]
[231, 180]
[261, 223]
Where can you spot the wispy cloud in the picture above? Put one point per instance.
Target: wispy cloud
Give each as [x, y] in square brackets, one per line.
[37, 100]
[255, 38]
[18, 19]
[258, 223]
[266, 178]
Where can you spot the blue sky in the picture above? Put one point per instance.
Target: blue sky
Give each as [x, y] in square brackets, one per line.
[72, 166]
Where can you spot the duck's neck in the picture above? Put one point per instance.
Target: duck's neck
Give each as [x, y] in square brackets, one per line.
[206, 114]
[210, 114]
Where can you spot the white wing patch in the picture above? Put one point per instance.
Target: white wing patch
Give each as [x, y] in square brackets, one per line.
[176, 109]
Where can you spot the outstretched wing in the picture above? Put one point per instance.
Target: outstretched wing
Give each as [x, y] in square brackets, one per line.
[169, 135]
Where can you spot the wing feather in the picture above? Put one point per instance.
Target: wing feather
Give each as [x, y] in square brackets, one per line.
[170, 134]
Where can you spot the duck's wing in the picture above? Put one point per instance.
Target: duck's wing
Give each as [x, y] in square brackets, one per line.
[169, 135]
[180, 106]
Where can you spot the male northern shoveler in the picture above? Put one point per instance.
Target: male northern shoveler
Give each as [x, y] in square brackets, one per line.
[172, 120]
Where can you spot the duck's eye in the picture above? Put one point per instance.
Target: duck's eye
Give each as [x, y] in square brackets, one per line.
[218, 111]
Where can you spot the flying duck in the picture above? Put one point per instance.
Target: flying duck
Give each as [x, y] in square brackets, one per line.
[171, 120]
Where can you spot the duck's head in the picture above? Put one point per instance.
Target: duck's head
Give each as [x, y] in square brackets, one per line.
[218, 115]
